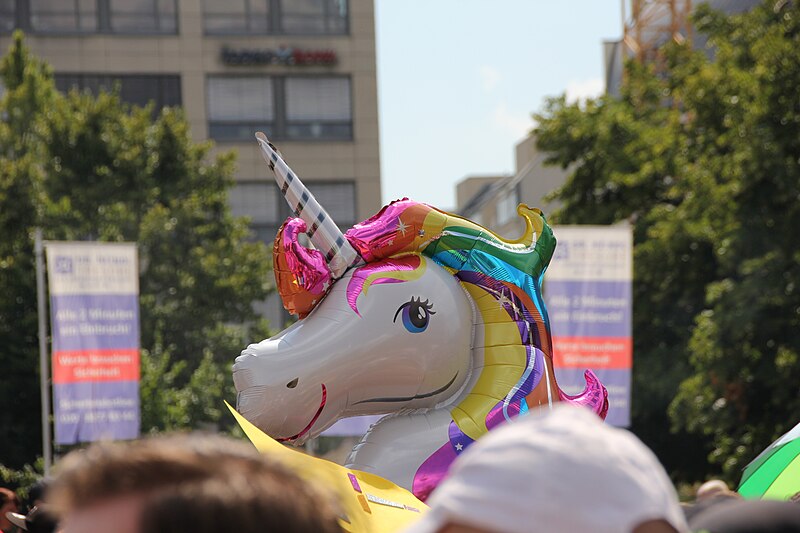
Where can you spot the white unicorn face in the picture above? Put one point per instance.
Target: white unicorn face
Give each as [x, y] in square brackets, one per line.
[382, 340]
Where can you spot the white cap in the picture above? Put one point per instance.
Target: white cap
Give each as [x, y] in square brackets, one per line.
[555, 470]
[18, 520]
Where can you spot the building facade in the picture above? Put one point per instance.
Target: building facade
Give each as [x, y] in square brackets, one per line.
[492, 200]
[303, 71]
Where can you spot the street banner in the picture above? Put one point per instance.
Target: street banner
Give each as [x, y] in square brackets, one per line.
[94, 314]
[351, 427]
[588, 292]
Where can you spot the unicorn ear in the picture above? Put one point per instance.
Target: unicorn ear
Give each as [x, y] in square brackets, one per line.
[322, 230]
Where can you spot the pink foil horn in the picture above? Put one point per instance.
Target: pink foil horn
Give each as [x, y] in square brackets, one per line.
[302, 275]
[321, 229]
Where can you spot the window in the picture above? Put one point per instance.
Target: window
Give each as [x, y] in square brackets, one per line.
[7, 15]
[57, 16]
[236, 16]
[300, 108]
[90, 16]
[318, 108]
[338, 199]
[259, 17]
[238, 107]
[314, 16]
[259, 201]
[143, 16]
[264, 204]
[507, 206]
[163, 90]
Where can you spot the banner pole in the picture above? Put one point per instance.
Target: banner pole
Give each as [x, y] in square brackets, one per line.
[44, 367]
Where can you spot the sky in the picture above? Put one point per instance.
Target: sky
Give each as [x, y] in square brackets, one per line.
[458, 81]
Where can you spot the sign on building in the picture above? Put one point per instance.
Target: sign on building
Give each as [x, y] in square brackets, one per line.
[94, 314]
[588, 295]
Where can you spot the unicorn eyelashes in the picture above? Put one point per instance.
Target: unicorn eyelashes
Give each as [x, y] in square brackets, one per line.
[415, 315]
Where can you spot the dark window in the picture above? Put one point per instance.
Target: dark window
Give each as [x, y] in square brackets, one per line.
[298, 17]
[7, 15]
[314, 16]
[143, 16]
[301, 108]
[90, 16]
[163, 90]
[236, 16]
[63, 16]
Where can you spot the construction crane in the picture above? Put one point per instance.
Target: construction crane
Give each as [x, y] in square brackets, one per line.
[653, 23]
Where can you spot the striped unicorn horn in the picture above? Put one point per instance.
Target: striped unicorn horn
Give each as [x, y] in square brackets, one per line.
[322, 230]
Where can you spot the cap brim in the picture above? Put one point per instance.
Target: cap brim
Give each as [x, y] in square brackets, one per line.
[18, 520]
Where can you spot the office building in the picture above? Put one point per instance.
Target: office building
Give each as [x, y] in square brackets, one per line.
[303, 71]
[492, 200]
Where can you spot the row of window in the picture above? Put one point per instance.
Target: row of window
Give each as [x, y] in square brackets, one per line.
[283, 107]
[295, 108]
[220, 17]
[240, 99]
[162, 90]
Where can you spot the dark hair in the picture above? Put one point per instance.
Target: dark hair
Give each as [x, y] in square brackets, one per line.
[41, 519]
[37, 491]
[195, 484]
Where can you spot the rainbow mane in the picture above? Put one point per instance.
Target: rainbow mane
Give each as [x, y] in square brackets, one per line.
[512, 327]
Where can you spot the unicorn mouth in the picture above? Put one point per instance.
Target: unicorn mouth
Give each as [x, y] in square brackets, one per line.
[409, 398]
[314, 419]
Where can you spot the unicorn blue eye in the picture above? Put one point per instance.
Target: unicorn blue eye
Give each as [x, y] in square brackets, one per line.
[415, 315]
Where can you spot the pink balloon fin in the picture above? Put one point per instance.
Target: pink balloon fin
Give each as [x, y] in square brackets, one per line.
[594, 396]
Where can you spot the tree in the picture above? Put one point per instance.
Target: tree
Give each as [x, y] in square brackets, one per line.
[98, 169]
[28, 90]
[623, 156]
[744, 348]
[704, 161]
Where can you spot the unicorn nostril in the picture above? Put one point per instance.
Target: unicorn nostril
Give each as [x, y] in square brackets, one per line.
[292, 384]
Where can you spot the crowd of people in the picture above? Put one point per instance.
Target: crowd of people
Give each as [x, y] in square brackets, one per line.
[559, 470]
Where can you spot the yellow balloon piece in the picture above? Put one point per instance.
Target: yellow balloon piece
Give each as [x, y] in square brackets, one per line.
[367, 503]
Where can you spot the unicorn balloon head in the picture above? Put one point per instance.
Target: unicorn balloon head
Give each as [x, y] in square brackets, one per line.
[414, 313]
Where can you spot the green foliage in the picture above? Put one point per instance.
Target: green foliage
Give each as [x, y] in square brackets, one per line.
[704, 161]
[21, 480]
[86, 167]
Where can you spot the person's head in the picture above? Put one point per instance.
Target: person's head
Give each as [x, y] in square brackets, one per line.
[37, 493]
[555, 470]
[748, 516]
[9, 503]
[714, 488]
[185, 483]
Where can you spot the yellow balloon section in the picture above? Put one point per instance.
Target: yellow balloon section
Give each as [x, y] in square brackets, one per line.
[366, 502]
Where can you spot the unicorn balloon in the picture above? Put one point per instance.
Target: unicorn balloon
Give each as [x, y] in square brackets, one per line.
[414, 313]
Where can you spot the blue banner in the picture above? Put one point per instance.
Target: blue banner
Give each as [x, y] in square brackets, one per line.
[94, 314]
